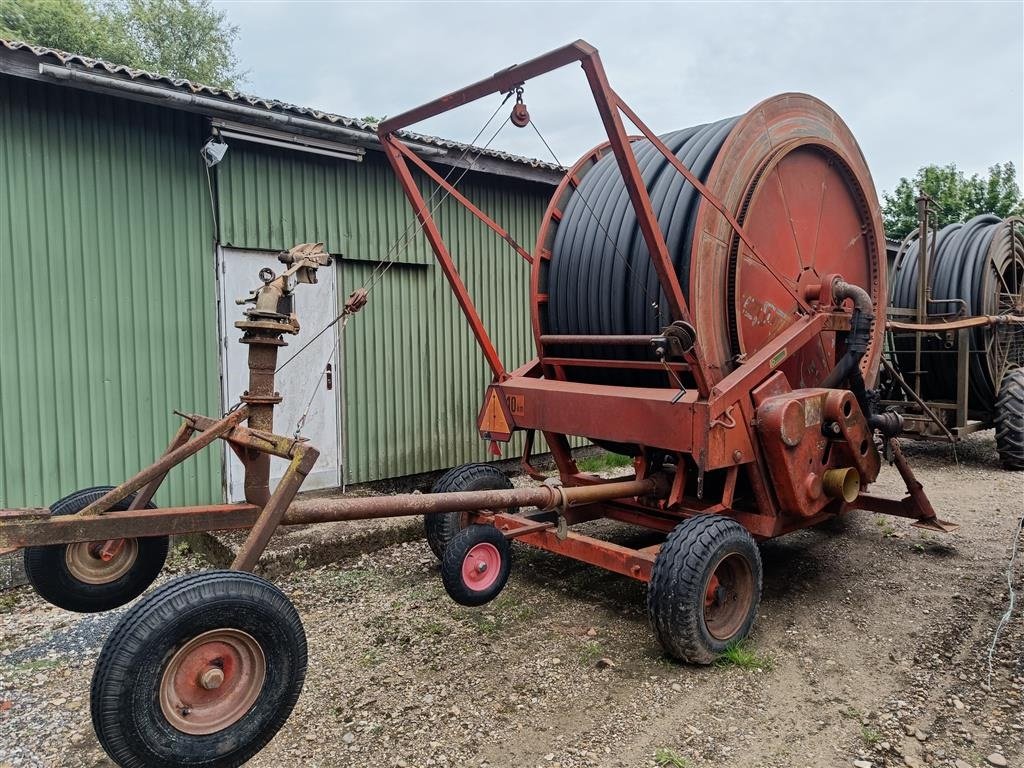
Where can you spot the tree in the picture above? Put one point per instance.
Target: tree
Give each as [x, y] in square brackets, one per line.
[957, 197]
[179, 38]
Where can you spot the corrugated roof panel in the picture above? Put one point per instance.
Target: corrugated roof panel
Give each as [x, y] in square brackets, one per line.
[273, 105]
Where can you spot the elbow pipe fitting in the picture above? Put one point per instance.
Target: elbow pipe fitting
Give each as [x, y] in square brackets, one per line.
[857, 340]
[861, 299]
[860, 330]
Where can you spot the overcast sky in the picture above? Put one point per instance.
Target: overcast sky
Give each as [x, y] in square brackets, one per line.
[917, 83]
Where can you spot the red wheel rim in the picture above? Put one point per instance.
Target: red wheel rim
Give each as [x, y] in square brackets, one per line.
[212, 681]
[481, 567]
[728, 597]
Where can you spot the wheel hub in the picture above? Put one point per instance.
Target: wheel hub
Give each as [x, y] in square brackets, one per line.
[97, 562]
[728, 597]
[212, 681]
[481, 567]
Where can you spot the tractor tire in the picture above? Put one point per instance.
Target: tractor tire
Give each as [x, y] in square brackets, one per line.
[73, 577]
[441, 528]
[476, 565]
[705, 588]
[200, 674]
[1009, 419]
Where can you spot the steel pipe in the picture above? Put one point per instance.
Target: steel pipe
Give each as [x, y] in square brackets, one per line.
[35, 527]
[544, 497]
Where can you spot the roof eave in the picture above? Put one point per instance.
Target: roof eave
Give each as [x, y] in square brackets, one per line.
[27, 64]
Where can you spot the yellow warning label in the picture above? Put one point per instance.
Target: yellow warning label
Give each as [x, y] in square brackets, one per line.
[493, 418]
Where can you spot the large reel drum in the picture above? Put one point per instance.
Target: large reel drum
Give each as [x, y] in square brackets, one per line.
[792, 174]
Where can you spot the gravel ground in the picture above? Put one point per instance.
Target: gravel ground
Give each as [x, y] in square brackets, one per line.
[871, 649]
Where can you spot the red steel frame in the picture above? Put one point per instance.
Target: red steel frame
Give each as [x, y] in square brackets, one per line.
[713, 424]
[699, 423]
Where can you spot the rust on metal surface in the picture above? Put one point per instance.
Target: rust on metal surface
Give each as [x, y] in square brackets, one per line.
[914, 505]
[274, 510]
[543, 497]
[212, 681]
[792, 244]
[42, 530]
[613, 557]
[941, 326]
[736, 423]
[170, 459]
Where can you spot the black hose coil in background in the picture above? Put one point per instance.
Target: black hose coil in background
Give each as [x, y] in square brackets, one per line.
[969, 258]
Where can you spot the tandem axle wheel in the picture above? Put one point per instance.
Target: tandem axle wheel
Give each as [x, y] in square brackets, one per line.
[200, 674]
[94, 576]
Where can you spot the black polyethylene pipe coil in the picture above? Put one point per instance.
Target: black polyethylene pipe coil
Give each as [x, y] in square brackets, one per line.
[970, 258]
[602, 279]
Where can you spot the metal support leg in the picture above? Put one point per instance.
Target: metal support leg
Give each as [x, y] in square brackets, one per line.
[302, 463]
[915, 505]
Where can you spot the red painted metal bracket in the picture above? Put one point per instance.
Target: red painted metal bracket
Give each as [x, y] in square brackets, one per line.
[609, 107]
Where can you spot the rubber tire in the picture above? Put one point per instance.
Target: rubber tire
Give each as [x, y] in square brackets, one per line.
[47, 571]
[679, 578]
[454, 555]
[1009, 419]
[441, 528]
[126, 712]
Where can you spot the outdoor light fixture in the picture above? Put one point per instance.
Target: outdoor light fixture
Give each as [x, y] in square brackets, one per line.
[213, 151]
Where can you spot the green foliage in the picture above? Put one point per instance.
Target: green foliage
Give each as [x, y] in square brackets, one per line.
[742, 655]
[179, 38]
[957, 196]
[669, 758]
[870, 735]
[590, 653]
[9, 600]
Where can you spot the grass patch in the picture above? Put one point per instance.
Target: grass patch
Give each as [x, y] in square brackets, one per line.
[500, 616]
[870, 735]
[744, 656]
[669, 758]
[603, 462]
[434, 628]
[354, 578]
[590, 653]
[885, 527]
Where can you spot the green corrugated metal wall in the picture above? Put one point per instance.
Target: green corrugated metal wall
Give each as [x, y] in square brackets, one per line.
[106, 292]
[108, 301]
[414, 376]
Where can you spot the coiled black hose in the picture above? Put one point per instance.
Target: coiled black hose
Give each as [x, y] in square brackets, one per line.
[601, 279]
[970, 259]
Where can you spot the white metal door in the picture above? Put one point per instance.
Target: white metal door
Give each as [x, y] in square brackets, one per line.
[316, 306]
